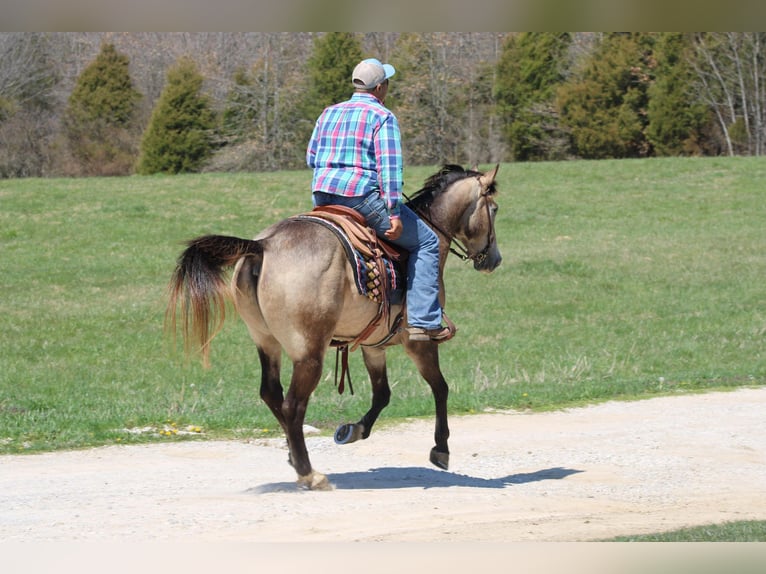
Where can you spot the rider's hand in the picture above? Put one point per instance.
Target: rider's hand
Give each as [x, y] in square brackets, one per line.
[396, 229]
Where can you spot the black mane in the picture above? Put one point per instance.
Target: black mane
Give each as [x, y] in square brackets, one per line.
[437, 183]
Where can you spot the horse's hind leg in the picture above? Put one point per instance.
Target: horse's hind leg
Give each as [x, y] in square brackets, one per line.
[271, 387]
[375, 361]
[290, 411]
[426, 357]
[306, 374]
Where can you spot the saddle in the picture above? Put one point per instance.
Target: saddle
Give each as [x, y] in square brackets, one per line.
[377, 267]
[361, 235]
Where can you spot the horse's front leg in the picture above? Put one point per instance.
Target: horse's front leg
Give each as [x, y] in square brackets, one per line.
[425, 355]
[375, 361]
[306, 374]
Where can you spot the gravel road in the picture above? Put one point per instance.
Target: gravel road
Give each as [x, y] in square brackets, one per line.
[574, 475]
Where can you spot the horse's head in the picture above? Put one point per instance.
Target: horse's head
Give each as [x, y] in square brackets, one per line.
[460, 205]
[478, 225]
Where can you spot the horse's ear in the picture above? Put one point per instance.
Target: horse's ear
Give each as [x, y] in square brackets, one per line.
[489, 177]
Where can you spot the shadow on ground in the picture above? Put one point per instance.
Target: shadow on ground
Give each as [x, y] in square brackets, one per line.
[418, 477]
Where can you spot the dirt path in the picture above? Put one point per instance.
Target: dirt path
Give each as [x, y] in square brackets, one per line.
[580, 474]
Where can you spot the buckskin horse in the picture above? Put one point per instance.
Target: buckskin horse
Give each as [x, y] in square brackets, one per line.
[294, 288]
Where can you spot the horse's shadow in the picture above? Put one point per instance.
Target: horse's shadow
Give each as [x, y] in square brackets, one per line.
[418, 477]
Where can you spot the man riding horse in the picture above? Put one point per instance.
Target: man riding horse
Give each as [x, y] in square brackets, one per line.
[356, 154]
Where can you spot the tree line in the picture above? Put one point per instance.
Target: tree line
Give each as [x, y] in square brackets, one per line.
[74, 104]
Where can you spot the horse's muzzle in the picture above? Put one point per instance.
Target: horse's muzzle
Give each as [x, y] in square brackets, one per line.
[488, 263]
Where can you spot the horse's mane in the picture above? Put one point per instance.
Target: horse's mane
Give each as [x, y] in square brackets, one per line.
[438, 183]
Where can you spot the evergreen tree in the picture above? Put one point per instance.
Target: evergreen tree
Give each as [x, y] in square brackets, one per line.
[330, 68]
[676, 121]
[179, 135]
[530, 68]
[605, 106]
[100, 116]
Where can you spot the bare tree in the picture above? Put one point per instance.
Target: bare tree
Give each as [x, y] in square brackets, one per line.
[27, 103]
[730, 70]
[444, 97]
[26, 73]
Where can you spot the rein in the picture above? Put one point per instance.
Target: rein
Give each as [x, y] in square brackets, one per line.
[461, 250]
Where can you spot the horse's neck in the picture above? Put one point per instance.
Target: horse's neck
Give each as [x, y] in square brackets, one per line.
[449, 211]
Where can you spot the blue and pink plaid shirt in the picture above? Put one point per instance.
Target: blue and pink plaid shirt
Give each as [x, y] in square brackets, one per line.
[355, 149]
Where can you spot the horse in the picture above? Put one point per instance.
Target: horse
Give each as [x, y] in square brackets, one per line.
[293, 287]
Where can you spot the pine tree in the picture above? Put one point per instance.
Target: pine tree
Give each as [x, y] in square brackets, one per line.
[605, 106]
[676, 121]
[99, 119]
[530, 68]
[330, 68]
[179, 135]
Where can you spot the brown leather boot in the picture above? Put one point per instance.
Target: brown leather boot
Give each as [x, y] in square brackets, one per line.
[440, 334]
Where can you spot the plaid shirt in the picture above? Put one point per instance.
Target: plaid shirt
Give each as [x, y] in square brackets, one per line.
[355, 149]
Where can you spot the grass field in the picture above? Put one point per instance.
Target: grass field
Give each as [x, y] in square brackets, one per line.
[621, 279]
[740, 531]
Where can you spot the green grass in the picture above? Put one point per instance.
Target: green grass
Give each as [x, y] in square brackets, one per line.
[742, 531]
[621, 280]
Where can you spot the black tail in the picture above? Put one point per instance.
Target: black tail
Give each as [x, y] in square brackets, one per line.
[217, 251]
[198, 286]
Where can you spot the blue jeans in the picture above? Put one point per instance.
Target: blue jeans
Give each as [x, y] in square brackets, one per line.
[423, 309]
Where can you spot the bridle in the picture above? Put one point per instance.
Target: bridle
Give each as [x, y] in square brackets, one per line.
[459, 249]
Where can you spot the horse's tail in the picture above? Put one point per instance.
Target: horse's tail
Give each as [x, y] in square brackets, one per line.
[198, 288]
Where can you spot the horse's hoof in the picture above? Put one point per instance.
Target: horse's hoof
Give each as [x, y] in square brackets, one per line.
[314, 481]
[440, 459]
[348, 433]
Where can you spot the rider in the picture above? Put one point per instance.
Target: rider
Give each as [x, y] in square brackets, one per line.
[356, 154]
